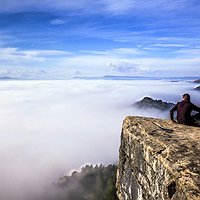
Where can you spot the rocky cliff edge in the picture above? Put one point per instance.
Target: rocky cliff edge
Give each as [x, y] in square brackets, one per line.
[158, 160]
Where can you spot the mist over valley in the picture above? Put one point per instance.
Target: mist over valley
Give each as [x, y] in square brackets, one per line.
[50, 128]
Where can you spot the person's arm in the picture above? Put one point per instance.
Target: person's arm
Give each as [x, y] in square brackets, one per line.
[196, 108]
[172, 112]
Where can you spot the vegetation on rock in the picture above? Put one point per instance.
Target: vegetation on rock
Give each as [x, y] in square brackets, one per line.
[91, 183]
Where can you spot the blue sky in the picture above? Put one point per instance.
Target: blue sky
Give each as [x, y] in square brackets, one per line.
[61, 39]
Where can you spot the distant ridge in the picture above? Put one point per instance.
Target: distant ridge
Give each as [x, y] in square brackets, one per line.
[8, 78]
[110, 77]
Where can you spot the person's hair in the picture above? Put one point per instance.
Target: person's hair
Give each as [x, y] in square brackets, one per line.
[186, 97]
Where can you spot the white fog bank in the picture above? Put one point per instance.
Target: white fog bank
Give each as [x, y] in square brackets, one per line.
[49, 128]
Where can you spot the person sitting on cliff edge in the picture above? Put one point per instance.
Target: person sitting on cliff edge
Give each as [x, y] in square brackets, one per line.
[184, 110]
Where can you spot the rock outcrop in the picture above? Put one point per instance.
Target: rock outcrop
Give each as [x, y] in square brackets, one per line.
[159, 160]
[197, 88]
[197, 81]
[148, 102]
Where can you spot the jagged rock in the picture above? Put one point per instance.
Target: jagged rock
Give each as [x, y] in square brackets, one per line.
[159, 160]
[148, 102]
[197, 88]
[197, 81]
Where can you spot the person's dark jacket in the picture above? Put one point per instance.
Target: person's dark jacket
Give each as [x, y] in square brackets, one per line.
[184, 109]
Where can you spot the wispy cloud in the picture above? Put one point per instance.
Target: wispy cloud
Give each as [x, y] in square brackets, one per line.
[129, 69]
[148, 66]
[128, 51]
[119, 61]
[25, 73]
[16, 54]
[57, 22]
[99, 6]
[84, 36]
[170, 45]
[119, 7]
[153, 8]
[120, 52]
[194, 52]
[30, 64]
[5, 38]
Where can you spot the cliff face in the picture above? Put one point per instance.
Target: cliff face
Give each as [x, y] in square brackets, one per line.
[158, 160]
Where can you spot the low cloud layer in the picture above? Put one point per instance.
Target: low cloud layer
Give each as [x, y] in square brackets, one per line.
[49, 128]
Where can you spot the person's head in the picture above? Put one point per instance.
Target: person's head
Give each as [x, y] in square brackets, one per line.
[186, 97]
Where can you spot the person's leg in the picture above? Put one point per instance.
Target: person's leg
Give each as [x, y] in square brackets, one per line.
[196, 119]
[196, 116]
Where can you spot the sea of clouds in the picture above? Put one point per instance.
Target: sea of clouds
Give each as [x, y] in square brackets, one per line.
[49, 128]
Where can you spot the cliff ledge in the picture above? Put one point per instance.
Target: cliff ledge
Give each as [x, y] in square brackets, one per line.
[158, 160]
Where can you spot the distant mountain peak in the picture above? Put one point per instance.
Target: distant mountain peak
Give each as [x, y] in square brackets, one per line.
[7, 78]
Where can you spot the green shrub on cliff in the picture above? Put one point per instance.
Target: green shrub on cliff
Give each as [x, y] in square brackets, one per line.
[91, 183]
